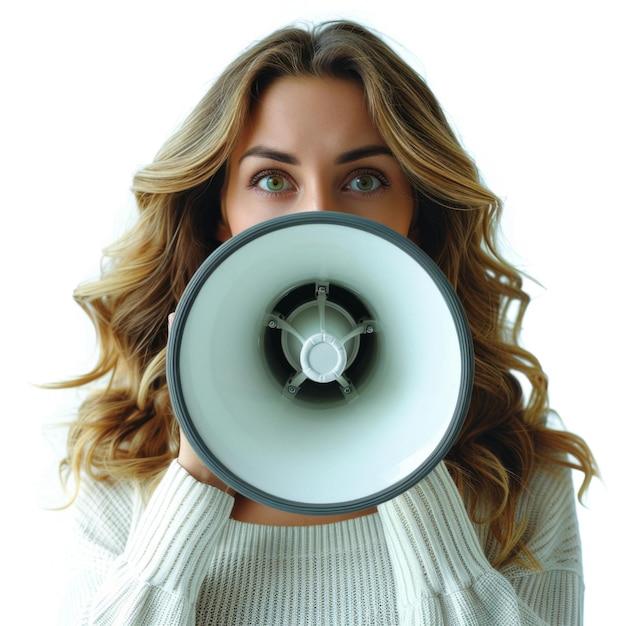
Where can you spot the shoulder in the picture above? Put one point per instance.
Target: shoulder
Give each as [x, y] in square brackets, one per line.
[104, 511]
[548, 505]
[549, 494]
[546, 511]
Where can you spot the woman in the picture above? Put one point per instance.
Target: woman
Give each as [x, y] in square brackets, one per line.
[329, 119]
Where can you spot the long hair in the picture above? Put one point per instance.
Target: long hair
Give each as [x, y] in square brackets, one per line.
[127, 429]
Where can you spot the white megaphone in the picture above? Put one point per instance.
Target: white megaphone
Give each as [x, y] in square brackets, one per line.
[320, 363]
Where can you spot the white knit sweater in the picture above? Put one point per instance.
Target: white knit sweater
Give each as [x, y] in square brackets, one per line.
[179, 560]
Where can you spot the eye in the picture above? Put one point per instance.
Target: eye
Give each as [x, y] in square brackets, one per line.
[271, 182]
[366, 182]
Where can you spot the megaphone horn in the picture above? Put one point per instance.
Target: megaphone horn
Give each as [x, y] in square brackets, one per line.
[320, 363]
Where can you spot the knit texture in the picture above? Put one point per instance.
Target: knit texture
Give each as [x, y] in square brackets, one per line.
[328, 574]
[180, 560]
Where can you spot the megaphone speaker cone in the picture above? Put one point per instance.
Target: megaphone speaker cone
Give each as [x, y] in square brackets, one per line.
[320, 363]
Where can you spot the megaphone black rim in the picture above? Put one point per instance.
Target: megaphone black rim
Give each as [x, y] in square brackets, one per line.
[202, 448]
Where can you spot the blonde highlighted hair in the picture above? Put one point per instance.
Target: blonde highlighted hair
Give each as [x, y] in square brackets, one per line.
[127, 429]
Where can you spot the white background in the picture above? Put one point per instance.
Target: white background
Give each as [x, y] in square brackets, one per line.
[89, 93]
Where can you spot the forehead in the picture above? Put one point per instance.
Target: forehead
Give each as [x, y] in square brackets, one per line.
[309, 111]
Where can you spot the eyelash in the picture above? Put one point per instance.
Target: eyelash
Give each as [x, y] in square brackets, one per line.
[379, 176]
[254, 181]
[259, 176]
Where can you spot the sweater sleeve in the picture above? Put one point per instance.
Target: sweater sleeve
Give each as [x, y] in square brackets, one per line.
[138, 563]
[441, 559]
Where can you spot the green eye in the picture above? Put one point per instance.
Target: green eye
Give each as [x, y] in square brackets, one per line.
[365, 183]
[273, 183]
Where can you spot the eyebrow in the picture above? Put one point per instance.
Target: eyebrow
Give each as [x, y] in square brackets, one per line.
[269, 153]
[284, 157]
[362, 153]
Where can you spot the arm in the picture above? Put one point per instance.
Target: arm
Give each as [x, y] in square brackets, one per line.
[441, 566]
[143, 564]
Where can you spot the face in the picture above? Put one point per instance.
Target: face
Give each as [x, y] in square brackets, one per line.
[310, 146]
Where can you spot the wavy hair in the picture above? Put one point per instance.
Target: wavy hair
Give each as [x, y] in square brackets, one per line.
[127, 429]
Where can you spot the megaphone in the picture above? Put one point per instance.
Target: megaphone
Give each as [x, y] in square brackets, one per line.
[320, 363]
